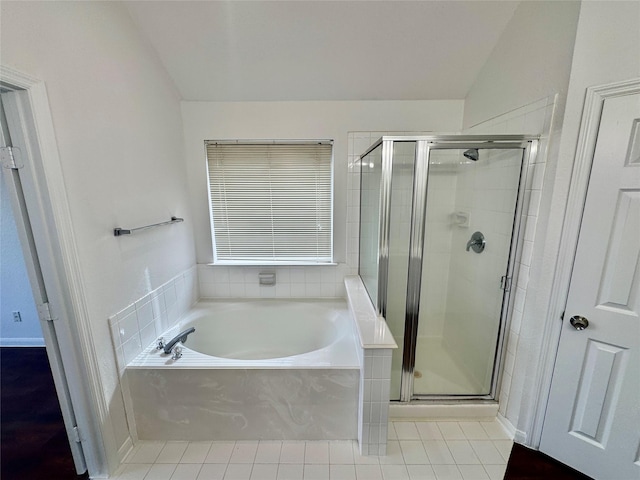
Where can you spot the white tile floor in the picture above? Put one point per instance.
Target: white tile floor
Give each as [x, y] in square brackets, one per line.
[416, 451]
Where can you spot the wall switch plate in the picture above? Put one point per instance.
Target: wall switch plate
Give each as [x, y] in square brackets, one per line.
[17, 317]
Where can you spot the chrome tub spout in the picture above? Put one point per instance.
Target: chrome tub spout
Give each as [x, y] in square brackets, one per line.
[181, 337]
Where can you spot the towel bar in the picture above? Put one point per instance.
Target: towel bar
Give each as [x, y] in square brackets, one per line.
[117, 232]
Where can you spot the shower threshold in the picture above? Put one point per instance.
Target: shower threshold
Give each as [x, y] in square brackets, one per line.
[477, 409]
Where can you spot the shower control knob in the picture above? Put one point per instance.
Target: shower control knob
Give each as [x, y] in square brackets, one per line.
[578, 322]
[477, 242]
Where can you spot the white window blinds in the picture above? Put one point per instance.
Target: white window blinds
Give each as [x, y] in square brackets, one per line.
[271, 202]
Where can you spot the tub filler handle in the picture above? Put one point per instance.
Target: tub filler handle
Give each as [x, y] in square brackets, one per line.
[177, 353]
[181, 337]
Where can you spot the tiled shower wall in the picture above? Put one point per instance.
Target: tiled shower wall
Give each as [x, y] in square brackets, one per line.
[359, 142]
[135, 327]
[533, 119]
[486, 193]
[441, 208]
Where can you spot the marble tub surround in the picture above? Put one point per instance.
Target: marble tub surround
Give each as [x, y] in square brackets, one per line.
[248, 392]
[137, 326]
[244, 404]
[374, 353]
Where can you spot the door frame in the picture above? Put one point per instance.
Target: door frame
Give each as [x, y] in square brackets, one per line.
[54, 240]
[578, 187]
[13, 173]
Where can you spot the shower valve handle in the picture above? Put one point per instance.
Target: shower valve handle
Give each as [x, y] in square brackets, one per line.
[477, 242]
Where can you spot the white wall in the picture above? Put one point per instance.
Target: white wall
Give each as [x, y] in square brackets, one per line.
[530, 61]
[15, 289]
[607, 49]
[299, 120]
[118, 130]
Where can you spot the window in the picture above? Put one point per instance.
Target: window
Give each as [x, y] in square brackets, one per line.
[271, 202]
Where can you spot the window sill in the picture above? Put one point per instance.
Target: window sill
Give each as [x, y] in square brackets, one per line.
[272, 264]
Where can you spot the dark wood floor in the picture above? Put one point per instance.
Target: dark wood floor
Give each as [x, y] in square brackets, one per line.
[34, 444]
[526, 464]
[33, 441]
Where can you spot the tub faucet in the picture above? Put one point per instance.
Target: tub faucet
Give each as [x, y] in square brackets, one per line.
[181, 337]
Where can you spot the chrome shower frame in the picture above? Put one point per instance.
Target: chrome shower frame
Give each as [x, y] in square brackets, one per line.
[424, 146]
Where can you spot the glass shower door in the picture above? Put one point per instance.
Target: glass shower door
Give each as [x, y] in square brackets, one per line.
[470, 213]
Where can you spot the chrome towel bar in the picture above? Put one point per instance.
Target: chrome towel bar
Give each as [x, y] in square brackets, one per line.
[117, 232]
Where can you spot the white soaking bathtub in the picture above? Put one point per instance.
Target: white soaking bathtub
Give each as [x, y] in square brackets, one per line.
[253, 369]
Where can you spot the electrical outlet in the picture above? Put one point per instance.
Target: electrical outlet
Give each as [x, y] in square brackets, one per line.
[17, 317]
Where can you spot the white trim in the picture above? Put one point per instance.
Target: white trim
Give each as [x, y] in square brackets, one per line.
[22, 342]
[514, 434]
[23, 188]
[594, 101]
[125, 449]
[58, 236]
[520, 436]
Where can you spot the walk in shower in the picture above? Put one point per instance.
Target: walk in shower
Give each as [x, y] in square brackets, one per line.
[440, 220]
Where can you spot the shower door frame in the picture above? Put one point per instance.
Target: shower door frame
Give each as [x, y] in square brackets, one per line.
[424, 146]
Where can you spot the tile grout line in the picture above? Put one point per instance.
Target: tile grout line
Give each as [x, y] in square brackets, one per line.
[468, 454]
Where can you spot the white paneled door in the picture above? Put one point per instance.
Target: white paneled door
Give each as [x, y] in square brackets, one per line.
[593, 415]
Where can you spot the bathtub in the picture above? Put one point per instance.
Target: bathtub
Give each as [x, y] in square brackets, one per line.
[253, 369]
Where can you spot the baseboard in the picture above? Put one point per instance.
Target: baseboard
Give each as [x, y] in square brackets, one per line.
[124, 450]
[508, 426]
[521, 438]
[22, 342]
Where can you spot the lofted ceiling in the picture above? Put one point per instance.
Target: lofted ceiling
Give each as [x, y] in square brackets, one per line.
[322, 50]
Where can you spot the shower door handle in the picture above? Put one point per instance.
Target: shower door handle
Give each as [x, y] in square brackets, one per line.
[477, 242]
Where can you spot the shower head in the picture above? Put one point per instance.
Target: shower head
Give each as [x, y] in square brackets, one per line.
[472, 154]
